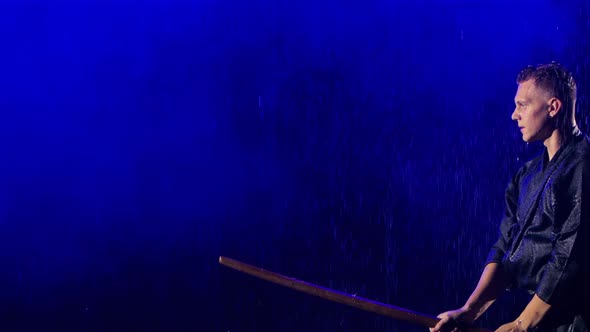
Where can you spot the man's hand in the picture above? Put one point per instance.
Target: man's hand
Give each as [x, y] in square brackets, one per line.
[529, 318]
[515, 326]
[451, 320]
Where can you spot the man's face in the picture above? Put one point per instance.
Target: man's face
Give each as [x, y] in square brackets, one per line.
[532, 112]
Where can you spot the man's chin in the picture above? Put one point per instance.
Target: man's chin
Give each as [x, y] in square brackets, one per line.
[531, 139]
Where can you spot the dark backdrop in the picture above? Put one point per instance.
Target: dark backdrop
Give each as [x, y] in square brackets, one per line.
[364, 146]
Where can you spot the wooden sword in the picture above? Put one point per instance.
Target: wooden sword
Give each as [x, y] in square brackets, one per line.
[339, 297]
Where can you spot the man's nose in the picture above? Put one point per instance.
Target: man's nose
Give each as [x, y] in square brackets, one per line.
[515, 115]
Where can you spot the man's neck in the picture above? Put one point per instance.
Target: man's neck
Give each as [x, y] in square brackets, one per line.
[553, 143]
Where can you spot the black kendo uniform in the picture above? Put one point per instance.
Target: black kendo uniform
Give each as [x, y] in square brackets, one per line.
[544, 236]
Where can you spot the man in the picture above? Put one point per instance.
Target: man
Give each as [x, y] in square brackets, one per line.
[543, 246]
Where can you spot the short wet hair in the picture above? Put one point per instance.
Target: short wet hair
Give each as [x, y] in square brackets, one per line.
[555, 79]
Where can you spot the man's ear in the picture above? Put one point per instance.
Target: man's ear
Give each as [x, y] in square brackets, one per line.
[554, 107]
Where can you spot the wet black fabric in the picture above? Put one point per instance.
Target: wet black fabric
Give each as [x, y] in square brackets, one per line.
[544, 243]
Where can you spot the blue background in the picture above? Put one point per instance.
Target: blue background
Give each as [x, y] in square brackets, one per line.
[363, 146]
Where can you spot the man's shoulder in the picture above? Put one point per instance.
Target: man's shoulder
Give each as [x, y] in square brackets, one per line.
[583, 145]
[581, 152]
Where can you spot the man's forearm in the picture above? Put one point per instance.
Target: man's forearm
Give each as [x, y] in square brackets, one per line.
[534, 312]
[492, 282]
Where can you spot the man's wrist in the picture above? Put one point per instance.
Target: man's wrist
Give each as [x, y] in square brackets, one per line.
[470, 312]
[532, 314]
[467, 308]
[523, 324]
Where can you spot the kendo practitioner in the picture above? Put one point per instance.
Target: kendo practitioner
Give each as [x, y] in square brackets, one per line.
[543, 246]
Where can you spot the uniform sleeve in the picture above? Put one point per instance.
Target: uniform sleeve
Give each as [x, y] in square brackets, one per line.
[570, 237]
[508, 224]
